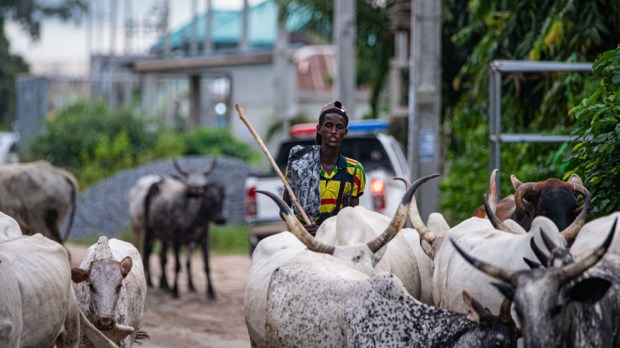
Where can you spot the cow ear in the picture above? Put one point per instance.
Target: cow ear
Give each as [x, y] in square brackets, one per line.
[575, 179]
[475, 311]
[589, 290]
[78, 275]
[126, 264]
[515, 182]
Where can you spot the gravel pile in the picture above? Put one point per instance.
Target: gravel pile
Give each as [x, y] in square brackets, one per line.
[103, 209]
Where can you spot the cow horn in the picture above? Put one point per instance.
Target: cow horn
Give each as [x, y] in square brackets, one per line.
[211, 167]
[297, 228]
[549, 244]
[522, 191]
[573, 270]
[415, 218]
[398, 221]
[570, 232]
[177, 166]
[540, 255]
[487, 268]
[495, 221]
[493, 190]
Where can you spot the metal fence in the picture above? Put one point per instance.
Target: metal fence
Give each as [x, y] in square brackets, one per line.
[496, 137]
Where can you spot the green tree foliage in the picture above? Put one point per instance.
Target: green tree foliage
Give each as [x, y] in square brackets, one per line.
[29, 14]
[94, 143]
[218, 142]
[374, 40]
[596, 151]
[477, 32]
[85, 137]
[11, 66]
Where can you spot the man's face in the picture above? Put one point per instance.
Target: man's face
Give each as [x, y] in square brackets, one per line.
[333, 130]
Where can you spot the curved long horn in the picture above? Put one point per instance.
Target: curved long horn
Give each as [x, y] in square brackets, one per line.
[495, 221]
[487, 268]
[521, 191]
[398, 221]
[211, 167]
[416, 219]
[493, 191]
[297, 228]
[549, 244]
[570, 232]
[540, 255]
[576, 269]
[177, 166]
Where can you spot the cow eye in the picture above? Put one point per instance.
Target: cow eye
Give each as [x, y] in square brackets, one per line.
[92, 288]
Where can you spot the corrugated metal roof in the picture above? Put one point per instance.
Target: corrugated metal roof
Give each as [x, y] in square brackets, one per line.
[226, 28]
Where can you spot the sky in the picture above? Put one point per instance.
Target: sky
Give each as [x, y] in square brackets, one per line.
[64, 47]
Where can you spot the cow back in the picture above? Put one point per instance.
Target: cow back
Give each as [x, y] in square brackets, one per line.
[35, 278]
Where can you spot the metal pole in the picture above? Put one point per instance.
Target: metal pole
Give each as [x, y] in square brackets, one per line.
[208, 44]
[344, 31]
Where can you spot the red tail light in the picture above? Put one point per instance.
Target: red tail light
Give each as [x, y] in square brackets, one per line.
[250, 202]
[377, 192]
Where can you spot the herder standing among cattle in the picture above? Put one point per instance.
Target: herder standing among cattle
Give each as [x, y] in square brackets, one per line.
[322, 178]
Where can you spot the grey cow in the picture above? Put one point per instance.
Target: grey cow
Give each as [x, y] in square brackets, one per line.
[178, 211]
[316, 300]
[566, 303]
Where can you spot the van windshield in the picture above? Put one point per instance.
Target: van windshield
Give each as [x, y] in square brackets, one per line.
[365, 149]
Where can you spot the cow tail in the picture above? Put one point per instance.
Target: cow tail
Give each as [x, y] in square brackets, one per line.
[74, 188]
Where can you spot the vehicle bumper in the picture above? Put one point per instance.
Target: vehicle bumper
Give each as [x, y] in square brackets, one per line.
[260, 230]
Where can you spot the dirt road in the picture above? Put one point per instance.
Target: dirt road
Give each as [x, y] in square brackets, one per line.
[193, 321]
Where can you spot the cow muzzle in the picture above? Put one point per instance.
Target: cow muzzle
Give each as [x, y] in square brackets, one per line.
[104, 324]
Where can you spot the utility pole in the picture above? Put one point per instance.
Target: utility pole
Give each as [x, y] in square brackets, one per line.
[128, 27]
[193, 45]
[280, 62]
[208, 44]
[424, 151]
[166, 28]
[244, 42]
[344, 31]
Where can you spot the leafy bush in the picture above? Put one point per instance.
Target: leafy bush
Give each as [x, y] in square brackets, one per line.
[596, 150]
[95, 143]
[218, 142]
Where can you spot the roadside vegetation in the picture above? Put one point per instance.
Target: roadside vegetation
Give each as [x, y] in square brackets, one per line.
[94, 143]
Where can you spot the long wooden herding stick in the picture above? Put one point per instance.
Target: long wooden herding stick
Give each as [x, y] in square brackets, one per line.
[273, 163]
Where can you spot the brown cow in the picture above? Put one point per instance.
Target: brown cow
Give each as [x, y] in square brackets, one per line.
[38, 195]
[552, 198]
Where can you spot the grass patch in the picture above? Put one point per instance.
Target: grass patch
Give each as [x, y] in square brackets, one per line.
[232, 238]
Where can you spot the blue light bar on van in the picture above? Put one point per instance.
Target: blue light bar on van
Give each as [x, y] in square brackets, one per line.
[368, 126]
[355, 127]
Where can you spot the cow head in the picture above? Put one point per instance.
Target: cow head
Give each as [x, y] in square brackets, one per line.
[105, 279]
[552, 198]
[214, 195]
[491, 330]
[545, 298]
[196, 181]
[361, 257]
